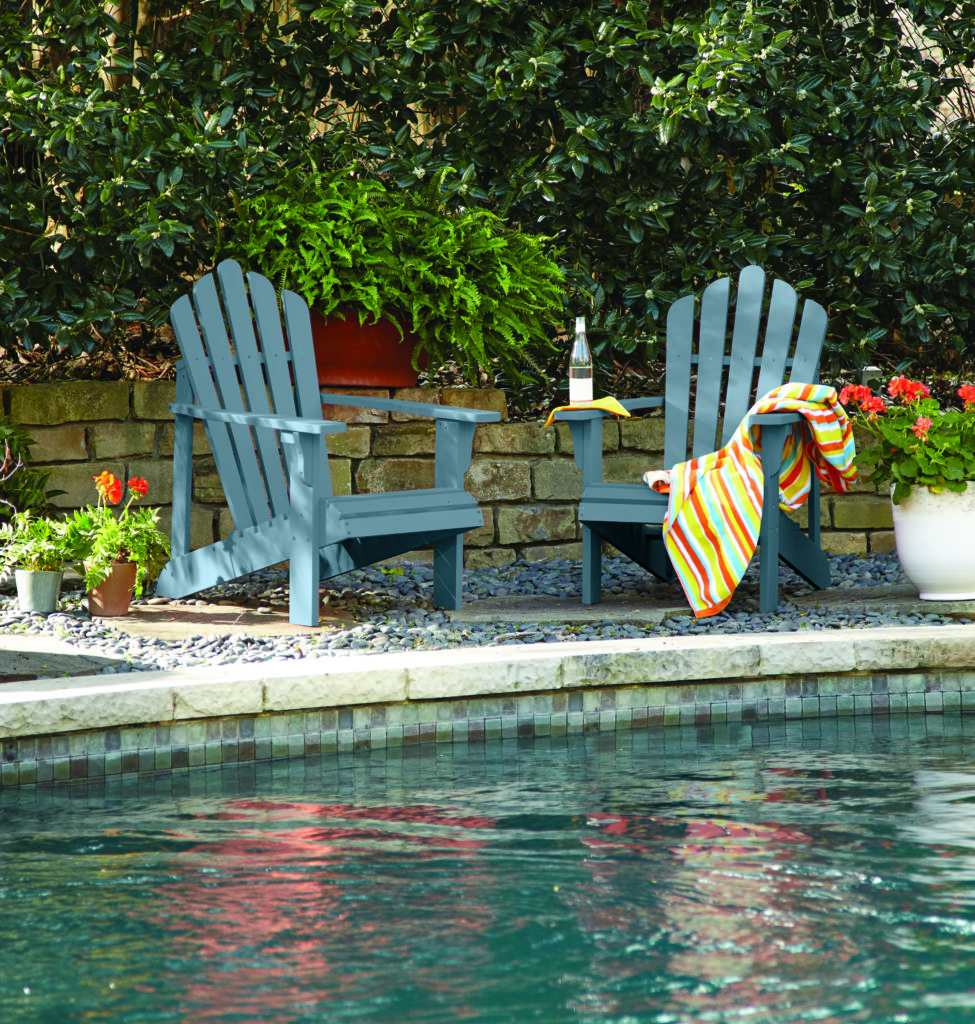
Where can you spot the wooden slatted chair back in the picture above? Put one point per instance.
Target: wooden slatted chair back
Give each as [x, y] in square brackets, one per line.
[732, 373]
[255, 366]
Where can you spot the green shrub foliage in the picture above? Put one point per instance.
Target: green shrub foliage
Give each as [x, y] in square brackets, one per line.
[662, 144]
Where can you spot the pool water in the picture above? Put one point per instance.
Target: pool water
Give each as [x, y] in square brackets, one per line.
[825, 873]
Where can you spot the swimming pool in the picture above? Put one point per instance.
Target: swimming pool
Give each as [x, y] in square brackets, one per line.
[776, 872]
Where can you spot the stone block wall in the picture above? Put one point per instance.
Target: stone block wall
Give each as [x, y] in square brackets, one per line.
[523, 474]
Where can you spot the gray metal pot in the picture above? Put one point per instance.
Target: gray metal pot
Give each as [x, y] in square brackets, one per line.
[37, 590]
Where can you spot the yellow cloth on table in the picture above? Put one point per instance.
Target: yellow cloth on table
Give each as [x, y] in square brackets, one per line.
[607, 404]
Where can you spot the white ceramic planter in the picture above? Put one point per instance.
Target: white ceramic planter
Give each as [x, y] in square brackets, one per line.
[37, 591]
[935, 538]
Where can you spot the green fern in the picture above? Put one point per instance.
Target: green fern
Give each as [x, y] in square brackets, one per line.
[475, 291]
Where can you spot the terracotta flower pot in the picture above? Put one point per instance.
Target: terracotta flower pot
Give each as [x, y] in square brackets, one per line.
[362, 355]
[114, 594]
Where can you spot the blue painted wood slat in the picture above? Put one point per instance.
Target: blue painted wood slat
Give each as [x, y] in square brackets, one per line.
[630, 516]
[255, 388]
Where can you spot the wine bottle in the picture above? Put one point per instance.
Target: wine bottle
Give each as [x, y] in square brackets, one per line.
[580, 366]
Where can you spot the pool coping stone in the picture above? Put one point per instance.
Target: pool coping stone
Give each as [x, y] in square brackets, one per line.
[52, 706]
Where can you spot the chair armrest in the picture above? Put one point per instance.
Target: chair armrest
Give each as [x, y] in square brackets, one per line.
[775, 419]
[635, 404]
[436, 412]
[290, 424]
[629, 404]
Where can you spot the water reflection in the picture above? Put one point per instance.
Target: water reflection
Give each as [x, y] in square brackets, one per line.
[678, 877]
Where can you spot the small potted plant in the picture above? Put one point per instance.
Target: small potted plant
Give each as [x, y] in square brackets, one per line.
[118, 554]
[457, 283]
[926, 455]
[36, 549]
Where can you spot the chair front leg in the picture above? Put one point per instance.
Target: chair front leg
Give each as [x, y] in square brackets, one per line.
[592, 566]
[448, 572]
[305, 520]
[773, 443]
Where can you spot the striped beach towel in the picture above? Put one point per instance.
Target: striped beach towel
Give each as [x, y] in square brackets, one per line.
[715, 511]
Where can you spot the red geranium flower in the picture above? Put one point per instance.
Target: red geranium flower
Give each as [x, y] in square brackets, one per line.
[139, 486]
[854, 393]
[873, 406]
[921, 427]
[908, 390]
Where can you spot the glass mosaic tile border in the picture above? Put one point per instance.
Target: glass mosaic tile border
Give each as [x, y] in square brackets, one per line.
[104, 753]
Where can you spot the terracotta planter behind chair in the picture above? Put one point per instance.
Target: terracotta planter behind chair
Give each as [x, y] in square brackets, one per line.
[113, 595]
[362, 355]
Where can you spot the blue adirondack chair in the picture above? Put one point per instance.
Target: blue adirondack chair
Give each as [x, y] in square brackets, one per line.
[257, 395]
[711, 382]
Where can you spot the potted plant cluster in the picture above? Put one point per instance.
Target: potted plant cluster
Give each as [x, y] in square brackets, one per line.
[119, 553]
[36, 549]
[447, 285]
[927, 456]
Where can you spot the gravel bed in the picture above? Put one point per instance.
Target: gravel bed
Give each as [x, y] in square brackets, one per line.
[393, 611]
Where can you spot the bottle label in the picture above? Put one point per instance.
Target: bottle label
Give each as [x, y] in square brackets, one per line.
[580, 389]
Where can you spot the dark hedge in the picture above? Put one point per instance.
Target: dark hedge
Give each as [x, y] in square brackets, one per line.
[663, 144]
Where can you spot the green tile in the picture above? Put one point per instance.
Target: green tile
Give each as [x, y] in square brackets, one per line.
[810, 707]
[113, 762]
[492, 728]
[213, 752]
[62, 769]
[934, 701]
[844, 704]
[575, 721]
[28, 773]
[9, 774]
[96, 766]
[591, 700]
[915, 702]
[862, 704]
[952, 700]
[295, 721]
[394, 735]
[793, 707]
[445, 732]
[559, 724]
[827, 704]
[377, 737]
[543, 725]
[196, 733]
[672, 714]
[624, 717]
[898, 702]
